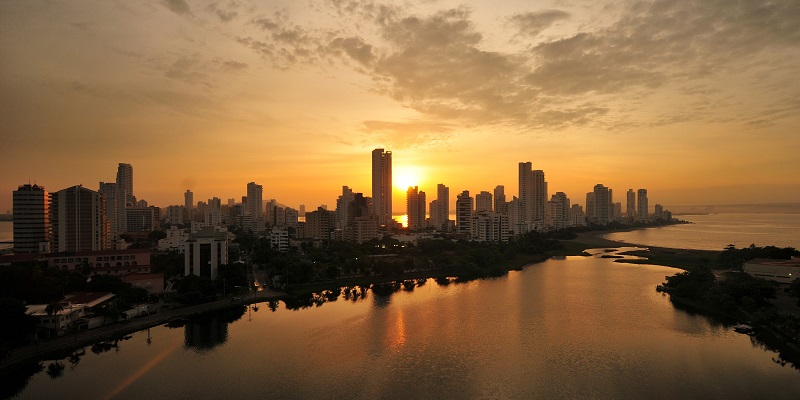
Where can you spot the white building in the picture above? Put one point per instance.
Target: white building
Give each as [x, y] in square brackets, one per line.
[487, 226]
[31, 219]
[205, 251]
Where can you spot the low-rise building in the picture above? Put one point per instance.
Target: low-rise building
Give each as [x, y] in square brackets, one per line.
[113, 262]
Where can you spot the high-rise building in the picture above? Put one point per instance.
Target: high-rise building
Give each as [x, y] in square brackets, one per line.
[630, 212]
[415, 207]
[125, 183]
[188, 205]
[558, 211]
[31, 219]
[641, 204]
[382, 185]
[659, 213]
[488, 226]
[254, 200]
[78, 220]
[483, 201]
[440, 208]
[532, 193]
[602, 204]
[464, 207]
[590, 213]
[343, 206]
[500, 205]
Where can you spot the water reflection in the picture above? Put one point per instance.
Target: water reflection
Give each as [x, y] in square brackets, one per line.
[207, 331]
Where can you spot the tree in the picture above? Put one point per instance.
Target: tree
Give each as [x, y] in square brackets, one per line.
[16, 326]
[55, 308]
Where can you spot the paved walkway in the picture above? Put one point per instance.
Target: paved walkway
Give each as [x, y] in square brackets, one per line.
[119, 328]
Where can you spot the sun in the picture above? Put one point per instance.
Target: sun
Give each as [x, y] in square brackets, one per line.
[405, 176]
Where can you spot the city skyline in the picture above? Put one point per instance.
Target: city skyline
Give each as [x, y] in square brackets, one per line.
[208, 97]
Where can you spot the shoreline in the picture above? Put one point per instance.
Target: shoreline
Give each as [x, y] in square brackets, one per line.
[676, 258]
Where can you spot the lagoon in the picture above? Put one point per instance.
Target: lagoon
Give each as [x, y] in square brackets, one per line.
[571, 327]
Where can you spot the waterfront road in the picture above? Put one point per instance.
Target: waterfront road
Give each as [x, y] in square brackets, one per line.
[161, 316]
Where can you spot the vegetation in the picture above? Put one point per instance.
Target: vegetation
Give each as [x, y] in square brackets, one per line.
[733, 258]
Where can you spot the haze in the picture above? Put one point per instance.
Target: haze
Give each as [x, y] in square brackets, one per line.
[698, 101]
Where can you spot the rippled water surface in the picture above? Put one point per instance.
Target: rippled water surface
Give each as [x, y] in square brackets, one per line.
[572, 328]
[715, 231]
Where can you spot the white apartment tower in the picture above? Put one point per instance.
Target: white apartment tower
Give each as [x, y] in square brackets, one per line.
[602, 204]
[415, 207]
[254, 200]
[631, 204]
[464, 207]
[532, 193]
[558, 211]
[125, 183]
[31, 219]
[500, 205]
[382, 185]
[483, 201]
[641, 204]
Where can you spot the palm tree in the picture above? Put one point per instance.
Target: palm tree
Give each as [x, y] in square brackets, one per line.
[54, 308]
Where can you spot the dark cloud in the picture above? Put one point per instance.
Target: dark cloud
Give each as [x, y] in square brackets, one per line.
[533, 23]
[179, 7]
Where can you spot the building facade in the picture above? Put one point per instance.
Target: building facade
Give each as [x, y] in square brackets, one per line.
[78, 220]
[382, 185]
[31, 219]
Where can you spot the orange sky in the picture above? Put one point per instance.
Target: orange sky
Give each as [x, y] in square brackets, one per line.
[697, 102]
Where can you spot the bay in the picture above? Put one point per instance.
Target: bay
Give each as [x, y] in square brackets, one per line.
[716, 231]
[575, 327]
[6, 234]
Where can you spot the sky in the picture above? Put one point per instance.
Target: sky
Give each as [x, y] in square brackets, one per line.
[697, 101]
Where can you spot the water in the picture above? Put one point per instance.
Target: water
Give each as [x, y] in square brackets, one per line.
[571, 328]
[6, 234]
[715, 231]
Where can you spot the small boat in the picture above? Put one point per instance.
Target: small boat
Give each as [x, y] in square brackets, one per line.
[743, 328]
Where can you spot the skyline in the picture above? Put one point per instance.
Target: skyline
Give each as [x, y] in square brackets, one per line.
[210, 96]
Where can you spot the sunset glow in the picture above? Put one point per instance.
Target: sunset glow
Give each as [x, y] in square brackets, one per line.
[295, 96]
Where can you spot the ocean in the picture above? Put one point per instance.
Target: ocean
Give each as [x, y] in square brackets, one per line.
[716, 231]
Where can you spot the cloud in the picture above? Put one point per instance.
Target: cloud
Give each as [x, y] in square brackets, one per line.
[234, 66]
[226, 12]
[179, 7]
[531, 24]
[440, 65]
[404, 135]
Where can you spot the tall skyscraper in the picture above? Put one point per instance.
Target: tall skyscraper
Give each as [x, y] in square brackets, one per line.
[641, 204]
[31, 219]
[483, 201]
[125, 183]
[500, 205]
[254, 200]
[188, 200]
[631, 204]
[602, 204]
[382, 185]
[116, 211]
[440, 208]
[558, 211]
[415, 206]
[343, 207]
[78, 220]
[532, 193]
[464, 207]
